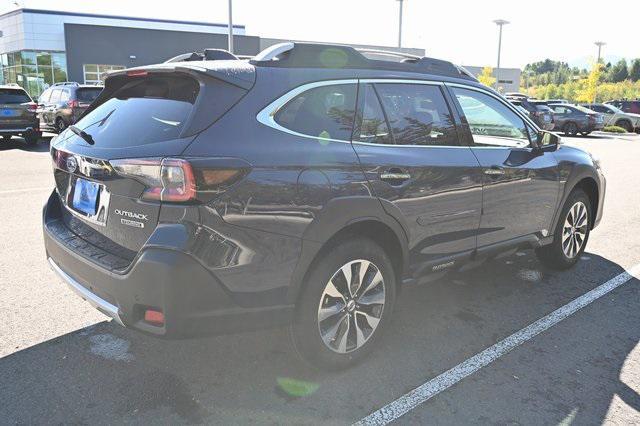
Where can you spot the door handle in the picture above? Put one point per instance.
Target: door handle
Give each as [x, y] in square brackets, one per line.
[494, 171]
[395, 176]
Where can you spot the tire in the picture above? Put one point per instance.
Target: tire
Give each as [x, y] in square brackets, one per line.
[60, 125]
[32, 138]
[560, 255]
[6, 138]
[570, 129]
[319, 331]
[625, 124]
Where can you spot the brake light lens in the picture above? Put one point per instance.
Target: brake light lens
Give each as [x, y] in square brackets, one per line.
[137, 73]
[32, 106]
[73, 104]
[168, 179]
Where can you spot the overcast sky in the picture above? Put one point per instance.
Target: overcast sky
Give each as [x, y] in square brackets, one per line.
[461, 31]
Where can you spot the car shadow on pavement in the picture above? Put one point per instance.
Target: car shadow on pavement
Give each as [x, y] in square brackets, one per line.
[17, 143]
[108, 374]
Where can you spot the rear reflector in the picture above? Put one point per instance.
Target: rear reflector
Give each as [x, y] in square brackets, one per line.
[154, 317]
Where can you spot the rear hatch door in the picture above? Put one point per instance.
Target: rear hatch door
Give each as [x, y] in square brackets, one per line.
[16, 108]
[140, 117]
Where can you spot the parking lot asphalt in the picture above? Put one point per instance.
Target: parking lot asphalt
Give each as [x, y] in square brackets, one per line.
[63, 362]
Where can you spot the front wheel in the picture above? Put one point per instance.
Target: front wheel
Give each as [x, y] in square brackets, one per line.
[60, 125]
[348, 300]
[625, 125]
[571, 233]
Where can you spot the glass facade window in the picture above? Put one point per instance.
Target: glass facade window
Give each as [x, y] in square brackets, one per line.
[35, 71]
[95, 73]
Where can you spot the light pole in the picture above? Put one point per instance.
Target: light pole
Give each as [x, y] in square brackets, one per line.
[599, 44]
[400, 2]
[500, 23]
[230, 27]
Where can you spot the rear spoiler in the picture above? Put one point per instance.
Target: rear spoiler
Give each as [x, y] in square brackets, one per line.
[236, 72]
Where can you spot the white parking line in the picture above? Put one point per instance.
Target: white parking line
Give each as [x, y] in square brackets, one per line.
[433, 387]
[14, 191]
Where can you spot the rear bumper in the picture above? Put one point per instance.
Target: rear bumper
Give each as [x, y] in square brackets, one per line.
[194, 301]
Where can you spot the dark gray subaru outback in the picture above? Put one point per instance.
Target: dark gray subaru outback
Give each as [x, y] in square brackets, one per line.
[303, 187]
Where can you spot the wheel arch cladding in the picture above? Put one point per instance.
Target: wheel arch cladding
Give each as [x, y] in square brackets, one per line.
[590, 187]
[371, 228]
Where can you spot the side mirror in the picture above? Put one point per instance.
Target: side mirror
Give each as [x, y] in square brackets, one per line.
[548, 141]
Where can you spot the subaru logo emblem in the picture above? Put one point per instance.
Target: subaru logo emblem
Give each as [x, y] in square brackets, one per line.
[71, 163]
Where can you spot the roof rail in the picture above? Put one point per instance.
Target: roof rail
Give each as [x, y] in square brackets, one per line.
[387, 53]
[317, 55]
[205, 55]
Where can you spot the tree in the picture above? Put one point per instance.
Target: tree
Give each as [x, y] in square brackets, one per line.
[589, 92]
[619, 72]
[486, 77]
[634, 71]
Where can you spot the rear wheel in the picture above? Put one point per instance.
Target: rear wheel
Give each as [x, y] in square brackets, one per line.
[570, 129]
[32, 138]
[625, 125]
[60, 125]
[6, 138]
[348, 300]
[571, 233]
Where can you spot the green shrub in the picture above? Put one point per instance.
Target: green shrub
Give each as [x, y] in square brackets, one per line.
[614, 129]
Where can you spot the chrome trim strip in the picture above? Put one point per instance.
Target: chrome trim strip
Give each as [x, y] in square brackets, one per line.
[93, 299]
[267, 115]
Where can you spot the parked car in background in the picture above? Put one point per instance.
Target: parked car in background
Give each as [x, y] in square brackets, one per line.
[18, 115]
[340, 184]
[62, 104]
[616, 117]
[574, 119]
[542, 115]
[626, 105]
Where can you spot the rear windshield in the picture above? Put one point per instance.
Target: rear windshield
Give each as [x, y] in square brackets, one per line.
[142, 111]
[13, 96]
[88, 95]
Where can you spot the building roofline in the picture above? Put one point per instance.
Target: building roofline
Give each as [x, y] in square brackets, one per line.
[129, 18]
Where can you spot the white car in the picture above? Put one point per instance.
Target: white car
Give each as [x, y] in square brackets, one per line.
[616, 117]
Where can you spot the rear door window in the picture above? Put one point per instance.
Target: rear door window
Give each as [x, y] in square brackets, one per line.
[87, 95]
[327, 112]
[417, 114]
[373, 127]
[142, 111]
[64, 95]
[55, 96]
[13, 96]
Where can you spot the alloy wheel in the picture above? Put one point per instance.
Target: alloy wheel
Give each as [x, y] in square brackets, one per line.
[574, 231]
[351, 306]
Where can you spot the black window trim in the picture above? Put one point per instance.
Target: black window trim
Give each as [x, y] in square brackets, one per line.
[527, 121]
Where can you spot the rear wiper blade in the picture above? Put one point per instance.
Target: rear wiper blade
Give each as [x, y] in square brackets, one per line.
[84, 135]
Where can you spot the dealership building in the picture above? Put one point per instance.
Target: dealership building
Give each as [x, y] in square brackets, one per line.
[42, 47]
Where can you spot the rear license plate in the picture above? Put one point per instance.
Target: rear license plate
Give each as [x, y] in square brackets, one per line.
[85, 196]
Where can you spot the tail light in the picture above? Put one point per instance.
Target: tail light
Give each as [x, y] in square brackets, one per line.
[32, 106]
[168, 179]
[73, 104]
[175, 179]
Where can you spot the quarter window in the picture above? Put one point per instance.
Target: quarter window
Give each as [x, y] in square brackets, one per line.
[417, 114]
[326, 112]
[491, 122]
[373, 126]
